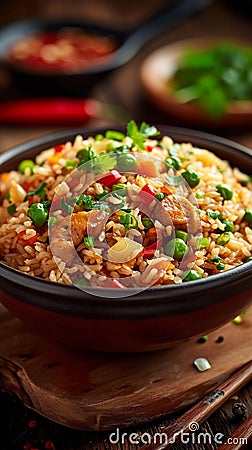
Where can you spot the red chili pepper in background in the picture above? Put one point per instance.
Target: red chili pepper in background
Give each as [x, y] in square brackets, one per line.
[148, 252]
[111, 178]
[146, 192]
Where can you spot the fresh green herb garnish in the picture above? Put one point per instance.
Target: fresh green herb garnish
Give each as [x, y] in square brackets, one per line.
[139, 135]
[88, 241]
[214, 77]
[38, 213]
[40, 191]
[85, 201]
[11, 209]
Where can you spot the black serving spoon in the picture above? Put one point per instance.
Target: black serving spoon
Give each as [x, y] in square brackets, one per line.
[79, 82]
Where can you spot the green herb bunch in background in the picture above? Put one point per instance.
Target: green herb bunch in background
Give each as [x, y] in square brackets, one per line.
[215, 77]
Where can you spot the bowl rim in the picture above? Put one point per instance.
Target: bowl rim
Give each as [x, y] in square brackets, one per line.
[177, 292]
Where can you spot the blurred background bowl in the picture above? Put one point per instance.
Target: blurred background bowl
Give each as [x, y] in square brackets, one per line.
[150, 320]
[156, 77]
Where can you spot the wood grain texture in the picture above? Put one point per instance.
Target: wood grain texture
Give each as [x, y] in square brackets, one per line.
[96, 391]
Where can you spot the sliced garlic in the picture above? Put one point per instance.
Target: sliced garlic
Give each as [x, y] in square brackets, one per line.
[124, 250]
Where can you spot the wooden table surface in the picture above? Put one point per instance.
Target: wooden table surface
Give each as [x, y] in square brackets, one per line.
[19, 425]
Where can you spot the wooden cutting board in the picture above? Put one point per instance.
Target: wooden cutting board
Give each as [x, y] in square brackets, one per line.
[97, 391]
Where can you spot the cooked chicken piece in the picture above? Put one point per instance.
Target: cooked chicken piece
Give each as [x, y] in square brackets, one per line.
[178, 210]
[93, 220]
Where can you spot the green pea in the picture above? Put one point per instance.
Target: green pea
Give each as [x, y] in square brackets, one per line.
[116, 135]
[176, 248]
[38, 213]
[199, 194]
[160, 196]
[85, 154]
[26, 164]
[174, 162]
[126, 162]
[225, 191]
[229, 226]
[181, 234]
[147, 223]
[191, 177]
[192, 275]
[249, 258]
[224, 238]
[99, 137]
[202, 243]
[248, 216]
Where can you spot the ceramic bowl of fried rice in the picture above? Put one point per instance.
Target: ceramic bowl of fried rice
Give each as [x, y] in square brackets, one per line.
[126, 240]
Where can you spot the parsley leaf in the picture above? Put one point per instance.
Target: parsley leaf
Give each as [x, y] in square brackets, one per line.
[103, 163]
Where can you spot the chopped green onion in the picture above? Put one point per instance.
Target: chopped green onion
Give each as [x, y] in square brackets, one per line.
[116, 135]
[248, 216]
[99, 196]
[85, 201]
[40, 191]
[129, 221]
[121, 187]
[229, 226]
[66, 208]
[52, 221]
[11, 209]
[7, 196]
[191, 177]
[225, 191]
[216, 259]
[88, 241]
[147, 223]
[220, 266]
[224, 238]
[70, 164]
[214, 215]
[174, 162]
[26, 164]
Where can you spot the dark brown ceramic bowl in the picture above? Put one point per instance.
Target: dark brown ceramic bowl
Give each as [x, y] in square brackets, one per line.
[153, 319]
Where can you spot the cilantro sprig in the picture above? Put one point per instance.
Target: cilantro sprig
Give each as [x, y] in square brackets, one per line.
[140, 134]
